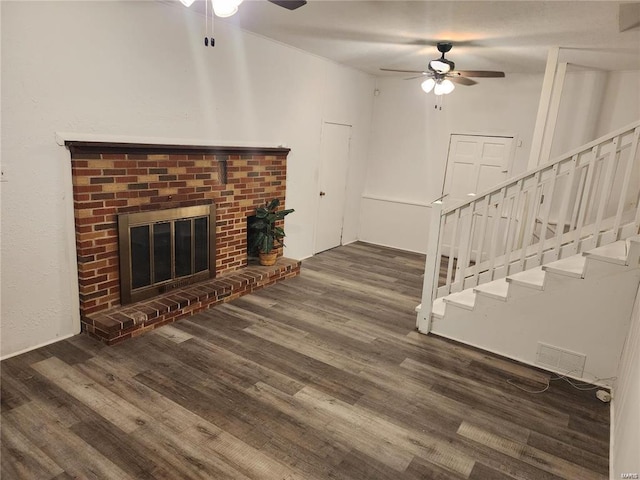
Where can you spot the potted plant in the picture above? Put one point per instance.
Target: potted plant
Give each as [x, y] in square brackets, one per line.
[265, 236]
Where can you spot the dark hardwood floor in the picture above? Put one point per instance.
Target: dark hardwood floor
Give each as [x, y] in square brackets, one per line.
[320, 377]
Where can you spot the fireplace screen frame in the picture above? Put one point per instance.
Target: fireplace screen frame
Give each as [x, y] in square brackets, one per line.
[127, 221]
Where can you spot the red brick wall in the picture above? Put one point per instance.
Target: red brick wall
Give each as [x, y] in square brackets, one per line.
[109, 180]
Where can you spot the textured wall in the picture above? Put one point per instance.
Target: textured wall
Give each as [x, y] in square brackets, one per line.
[139, 69]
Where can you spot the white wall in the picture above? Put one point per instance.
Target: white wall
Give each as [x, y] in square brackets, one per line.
[140, 69]
[626, 403]
[394, 223]
[582, 97]
[621, 104]
[593, 104]
[410, 139]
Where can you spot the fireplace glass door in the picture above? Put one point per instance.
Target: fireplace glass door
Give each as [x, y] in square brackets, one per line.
[165, 249]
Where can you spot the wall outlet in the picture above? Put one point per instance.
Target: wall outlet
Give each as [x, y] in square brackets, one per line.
[603, 396]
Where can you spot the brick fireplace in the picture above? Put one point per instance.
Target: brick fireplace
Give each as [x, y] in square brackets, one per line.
[112, 179]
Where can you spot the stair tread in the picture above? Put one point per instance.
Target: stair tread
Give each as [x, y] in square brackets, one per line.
[533, 278]
[437, 310]
[571, 266]
[497, 289]
[465, 299]
[615, 252]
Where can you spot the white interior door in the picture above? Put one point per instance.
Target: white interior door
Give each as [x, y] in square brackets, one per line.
[332, 183]
[475, 164]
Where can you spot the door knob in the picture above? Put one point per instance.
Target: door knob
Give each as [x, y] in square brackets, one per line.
[322, 194]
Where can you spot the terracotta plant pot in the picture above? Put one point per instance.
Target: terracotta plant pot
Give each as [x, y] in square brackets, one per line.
[268, 259]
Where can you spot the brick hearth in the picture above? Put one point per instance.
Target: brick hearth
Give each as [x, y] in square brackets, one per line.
[110, 179]
[117, 324]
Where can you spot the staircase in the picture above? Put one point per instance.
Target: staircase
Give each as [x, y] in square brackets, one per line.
[544, 268]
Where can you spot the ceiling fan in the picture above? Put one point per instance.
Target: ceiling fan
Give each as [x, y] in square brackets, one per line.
[441, 74]
[289, 4]
[226, 8]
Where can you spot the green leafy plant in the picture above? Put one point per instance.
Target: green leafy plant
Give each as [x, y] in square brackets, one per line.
[265, 235]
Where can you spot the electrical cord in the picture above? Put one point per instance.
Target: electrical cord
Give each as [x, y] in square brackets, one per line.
[582, 386]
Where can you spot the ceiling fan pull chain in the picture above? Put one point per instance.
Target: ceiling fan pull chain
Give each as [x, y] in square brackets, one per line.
[212, 41]
[208, 39]
[206, 23]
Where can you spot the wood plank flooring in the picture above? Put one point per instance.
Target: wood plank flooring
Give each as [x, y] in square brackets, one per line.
[320, 377]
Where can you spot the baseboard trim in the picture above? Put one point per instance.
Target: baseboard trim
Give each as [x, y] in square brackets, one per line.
[394, 247]
[40, 345]
[521, 361]
[612, 416]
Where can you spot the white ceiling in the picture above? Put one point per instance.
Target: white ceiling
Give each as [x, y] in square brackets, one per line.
[512, 36]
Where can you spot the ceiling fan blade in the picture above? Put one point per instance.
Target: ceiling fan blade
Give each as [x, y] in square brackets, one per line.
[477, 73]
[463, 81]
[403, 71]
[289, 4]
[422, 75]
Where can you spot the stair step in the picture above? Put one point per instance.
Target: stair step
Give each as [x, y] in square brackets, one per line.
[498, 289]
[533, 278]
[571, 266]
[615, 252]
[465, 299]
[438, 308]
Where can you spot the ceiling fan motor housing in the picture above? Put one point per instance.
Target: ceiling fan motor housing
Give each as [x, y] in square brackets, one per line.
[444, 47]
[289, 4]
[442, 65]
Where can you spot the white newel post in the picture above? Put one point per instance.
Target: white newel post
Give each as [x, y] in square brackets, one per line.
[431, 269]
[538, 140]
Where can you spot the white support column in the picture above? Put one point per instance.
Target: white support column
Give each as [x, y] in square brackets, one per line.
[552, 116]
[431, 269]
[543, 107]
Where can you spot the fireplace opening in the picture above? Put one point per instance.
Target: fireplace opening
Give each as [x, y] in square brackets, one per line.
[165, 249]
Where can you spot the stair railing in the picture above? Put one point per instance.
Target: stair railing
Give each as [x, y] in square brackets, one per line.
[581, 200]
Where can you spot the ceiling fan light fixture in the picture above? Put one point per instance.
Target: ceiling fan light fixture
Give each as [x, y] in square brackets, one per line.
[187, 3]
[428, 85]
[225, 8]
[444, 87]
